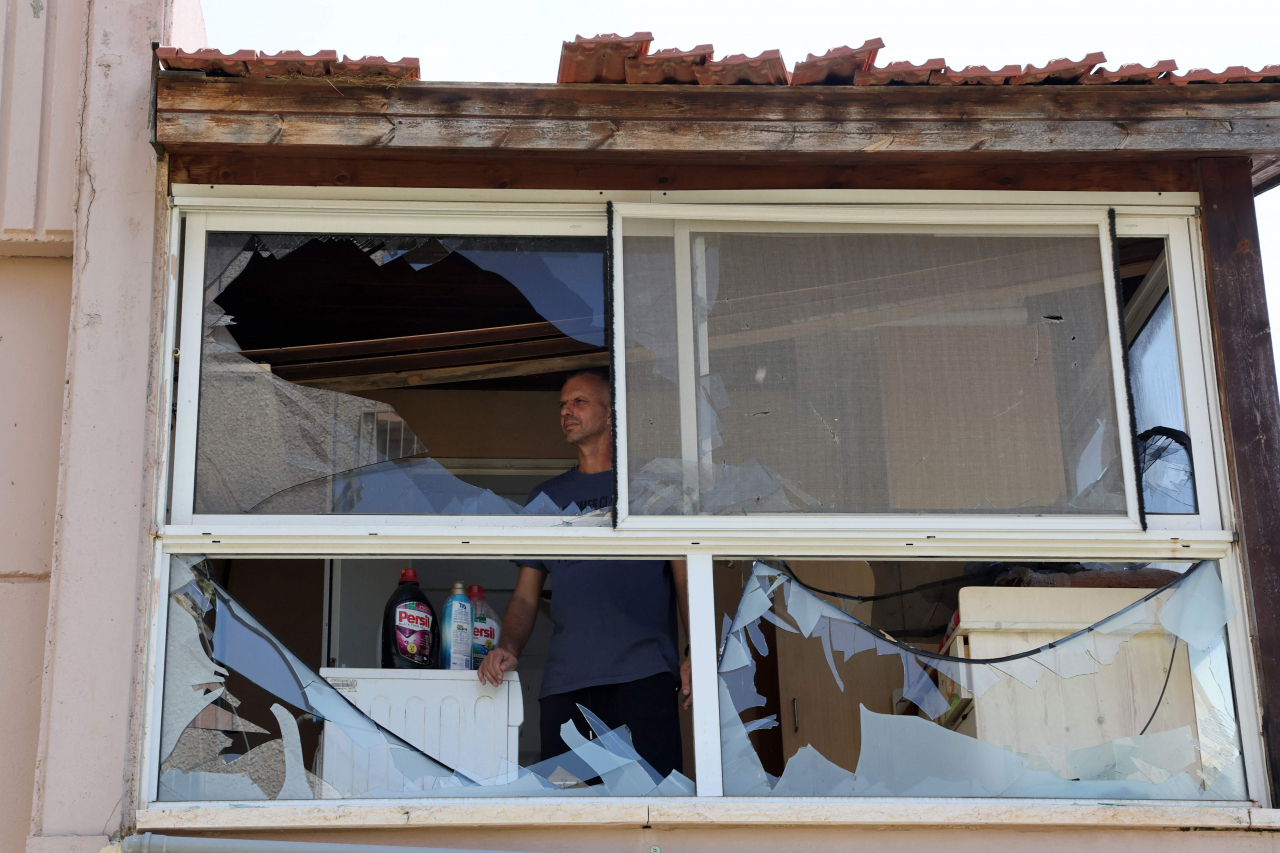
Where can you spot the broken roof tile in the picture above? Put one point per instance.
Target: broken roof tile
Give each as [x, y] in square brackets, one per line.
[1132, 73]
[208, 60]
[1234, 74]
[405, 68]
[1058, 71]
[975, 75]
[601, 59]
[291, 62]
[668, 66]
[837, 66]
[899, 72]
[767, 69]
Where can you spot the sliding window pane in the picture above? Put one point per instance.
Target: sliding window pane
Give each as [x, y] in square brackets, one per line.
[872, 373]
[394, 374]
[851, 678]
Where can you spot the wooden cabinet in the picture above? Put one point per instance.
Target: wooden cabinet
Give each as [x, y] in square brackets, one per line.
[1059, 715]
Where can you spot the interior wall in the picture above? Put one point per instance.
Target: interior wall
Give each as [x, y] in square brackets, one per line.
[35, 299]
[482, 424]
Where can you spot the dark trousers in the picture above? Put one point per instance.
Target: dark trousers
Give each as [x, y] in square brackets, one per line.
[649, 707]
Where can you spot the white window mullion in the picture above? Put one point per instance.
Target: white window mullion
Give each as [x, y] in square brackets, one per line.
[1119, 373]
[1196, 399]
[190, 343]
[706, 683]
[619, 357]
[686, 357]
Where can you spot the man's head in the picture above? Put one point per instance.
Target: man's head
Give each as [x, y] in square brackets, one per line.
[585, 412]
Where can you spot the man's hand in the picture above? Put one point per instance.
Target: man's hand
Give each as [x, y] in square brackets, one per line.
[495, 664]
[686, 684]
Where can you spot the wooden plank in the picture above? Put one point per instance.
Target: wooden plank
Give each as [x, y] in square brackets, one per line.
[722, 103]
[462, 373]
[539, 135]
[439, 340]
[1250, 411]
[1266, 174]
[433, 359]
[385, 169]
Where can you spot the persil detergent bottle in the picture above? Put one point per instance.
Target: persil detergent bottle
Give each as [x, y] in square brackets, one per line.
[486, 628]
[455, 652]
[410, 630]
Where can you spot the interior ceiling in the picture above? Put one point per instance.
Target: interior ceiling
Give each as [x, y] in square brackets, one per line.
[1137, 254]
[327, 314]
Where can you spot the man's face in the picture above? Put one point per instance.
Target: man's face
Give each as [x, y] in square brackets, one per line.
[584, 408]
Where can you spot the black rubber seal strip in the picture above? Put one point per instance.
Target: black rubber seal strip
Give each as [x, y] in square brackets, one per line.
[611, 336]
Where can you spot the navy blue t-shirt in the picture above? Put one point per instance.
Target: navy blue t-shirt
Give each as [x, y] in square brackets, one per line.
[615, 619]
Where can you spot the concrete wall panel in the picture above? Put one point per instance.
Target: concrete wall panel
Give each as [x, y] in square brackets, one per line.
[24, 606]
[35, 304]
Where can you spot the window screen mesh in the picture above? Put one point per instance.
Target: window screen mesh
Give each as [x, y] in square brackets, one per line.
[865, 373]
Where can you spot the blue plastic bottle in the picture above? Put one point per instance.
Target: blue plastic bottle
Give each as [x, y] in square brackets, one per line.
[455, 648]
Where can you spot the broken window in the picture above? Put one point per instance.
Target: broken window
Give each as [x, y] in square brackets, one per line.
[391, 374]
[1163, 446]
[246, 716]
[982, 679]
[782, 369]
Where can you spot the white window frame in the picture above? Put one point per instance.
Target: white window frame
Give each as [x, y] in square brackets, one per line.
[954, 219]
[207, 216]
[1188, 299]
[916, 537]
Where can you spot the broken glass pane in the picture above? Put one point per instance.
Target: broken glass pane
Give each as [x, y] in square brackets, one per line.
[983, 380]
[1164, 449]
[244, 718]
[391, 374]
[937, 679]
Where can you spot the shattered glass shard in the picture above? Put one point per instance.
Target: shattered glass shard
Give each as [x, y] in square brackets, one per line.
[904, 752]
[1025, 670]
[917, 687]
[743, 775]
[809, 774]
[1066, 662]
[1197, 608]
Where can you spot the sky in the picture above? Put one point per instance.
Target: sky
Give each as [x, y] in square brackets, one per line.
[519, 42]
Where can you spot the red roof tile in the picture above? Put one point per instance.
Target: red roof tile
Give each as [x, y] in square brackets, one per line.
[668, 66]
[1058, 71]
[207, 60]
[975, 75]
[1234, 74]
[291, 62]
[406, 68]
[767, 69]
[899, 72]
[837, 66]
[601, 59]
[1133, 73]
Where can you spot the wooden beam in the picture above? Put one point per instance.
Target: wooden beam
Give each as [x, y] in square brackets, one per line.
[1250, 412]
[382, 169]
[712, 135]
[413, 362]
[410, 343]
[331, 97]
[464, 373]
[635, 121]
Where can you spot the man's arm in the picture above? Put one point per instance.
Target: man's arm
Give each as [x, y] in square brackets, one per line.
[517, 625]
[680, 574]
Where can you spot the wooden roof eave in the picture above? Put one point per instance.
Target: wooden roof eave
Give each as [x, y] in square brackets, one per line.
[714, 124]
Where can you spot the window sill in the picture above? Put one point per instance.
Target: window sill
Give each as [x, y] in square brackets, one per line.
[726, 811]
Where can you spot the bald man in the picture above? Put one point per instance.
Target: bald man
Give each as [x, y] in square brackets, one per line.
[614, 648]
